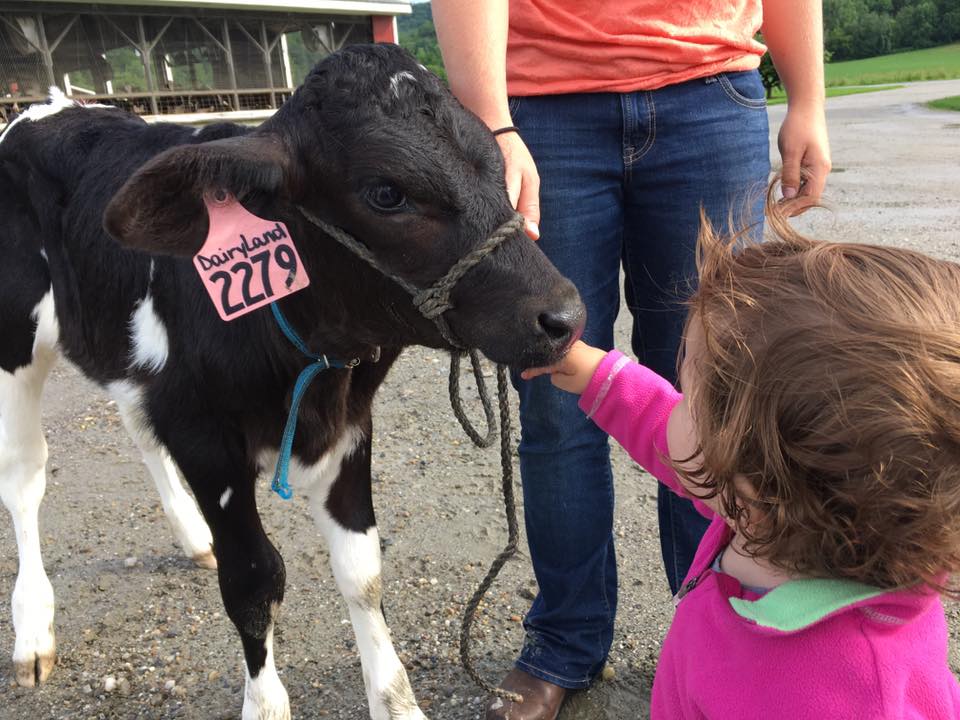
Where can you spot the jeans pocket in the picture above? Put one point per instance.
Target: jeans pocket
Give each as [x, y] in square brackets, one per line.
[744, 88]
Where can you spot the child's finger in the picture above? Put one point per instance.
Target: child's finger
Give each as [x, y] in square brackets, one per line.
[531, 373]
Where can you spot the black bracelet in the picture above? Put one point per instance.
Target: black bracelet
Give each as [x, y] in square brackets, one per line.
[507, 129]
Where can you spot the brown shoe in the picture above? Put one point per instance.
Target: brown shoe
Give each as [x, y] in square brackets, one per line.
[541, 699]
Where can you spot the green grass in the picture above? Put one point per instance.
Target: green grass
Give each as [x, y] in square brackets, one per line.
[947, 103]
[779, 98]
[939, 63]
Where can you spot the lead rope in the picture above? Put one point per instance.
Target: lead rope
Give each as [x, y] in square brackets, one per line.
[509, 502]
[321, 362]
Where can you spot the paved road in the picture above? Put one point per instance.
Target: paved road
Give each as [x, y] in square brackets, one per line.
[896, 169]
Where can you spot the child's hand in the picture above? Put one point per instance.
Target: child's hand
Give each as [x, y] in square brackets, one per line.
[574, 371]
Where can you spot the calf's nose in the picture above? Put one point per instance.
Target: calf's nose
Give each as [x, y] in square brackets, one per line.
[563, 326]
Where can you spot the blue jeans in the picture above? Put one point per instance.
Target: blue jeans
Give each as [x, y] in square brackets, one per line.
[623, 177]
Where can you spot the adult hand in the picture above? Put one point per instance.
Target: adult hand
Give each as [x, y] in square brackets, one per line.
[805, 151]
[523, 181]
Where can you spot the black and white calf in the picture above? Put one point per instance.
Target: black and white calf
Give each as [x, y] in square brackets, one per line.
[371, 143]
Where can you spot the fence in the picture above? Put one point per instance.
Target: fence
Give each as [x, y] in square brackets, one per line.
[153, 61]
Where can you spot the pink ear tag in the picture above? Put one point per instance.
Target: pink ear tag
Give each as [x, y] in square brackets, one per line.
[246, 262]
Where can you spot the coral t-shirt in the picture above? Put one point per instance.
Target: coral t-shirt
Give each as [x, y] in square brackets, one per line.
[568, 46]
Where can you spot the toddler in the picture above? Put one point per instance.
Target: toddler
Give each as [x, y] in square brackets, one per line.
[819, 430]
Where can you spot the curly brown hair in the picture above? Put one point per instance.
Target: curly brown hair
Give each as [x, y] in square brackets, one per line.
[829, 378]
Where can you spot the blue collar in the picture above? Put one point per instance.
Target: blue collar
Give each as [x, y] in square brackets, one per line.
[321, 362]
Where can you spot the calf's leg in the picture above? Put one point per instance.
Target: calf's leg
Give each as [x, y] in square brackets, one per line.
[188, 525]
[23, 458]
[249, 568]
[342, 507]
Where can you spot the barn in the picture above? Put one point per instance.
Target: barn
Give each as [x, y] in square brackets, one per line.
[188, 60]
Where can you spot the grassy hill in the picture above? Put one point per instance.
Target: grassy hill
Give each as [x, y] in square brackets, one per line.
[939, 63]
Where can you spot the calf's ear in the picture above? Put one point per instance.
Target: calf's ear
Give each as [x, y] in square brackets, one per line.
[161, 209]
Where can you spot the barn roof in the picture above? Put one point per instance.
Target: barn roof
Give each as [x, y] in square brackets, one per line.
[330, 7]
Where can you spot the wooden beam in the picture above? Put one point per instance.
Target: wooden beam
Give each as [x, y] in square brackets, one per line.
[384, 29]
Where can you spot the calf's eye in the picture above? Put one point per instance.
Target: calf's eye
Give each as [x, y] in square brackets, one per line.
[385, 198]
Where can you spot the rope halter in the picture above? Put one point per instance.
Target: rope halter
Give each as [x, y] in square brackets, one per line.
[434, 301]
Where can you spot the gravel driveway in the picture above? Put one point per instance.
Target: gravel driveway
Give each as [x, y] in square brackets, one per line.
[130, 608]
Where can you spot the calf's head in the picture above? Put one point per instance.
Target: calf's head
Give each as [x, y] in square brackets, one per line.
[374, 144]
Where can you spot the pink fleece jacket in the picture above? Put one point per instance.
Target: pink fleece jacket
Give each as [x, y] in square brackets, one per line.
[808, 649]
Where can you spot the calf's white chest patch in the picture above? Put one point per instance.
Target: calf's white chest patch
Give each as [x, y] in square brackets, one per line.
[148, 337]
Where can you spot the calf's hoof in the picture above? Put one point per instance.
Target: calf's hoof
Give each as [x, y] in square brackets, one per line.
[280, 711]
[415, 714]
[265, 699]
[206, 560]
[33, 670]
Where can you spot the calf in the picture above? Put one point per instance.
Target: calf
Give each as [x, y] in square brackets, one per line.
[371, 145]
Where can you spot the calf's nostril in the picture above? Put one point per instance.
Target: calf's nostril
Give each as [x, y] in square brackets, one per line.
[558, 326]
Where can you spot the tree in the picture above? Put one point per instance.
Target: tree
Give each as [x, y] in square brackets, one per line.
[769, 75]
[915, 25]
[419, 36]
[864, 28]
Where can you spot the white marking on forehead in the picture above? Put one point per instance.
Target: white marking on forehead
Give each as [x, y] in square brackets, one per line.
[148, 337]
[43, 254]
[225, 497]
[395, 81]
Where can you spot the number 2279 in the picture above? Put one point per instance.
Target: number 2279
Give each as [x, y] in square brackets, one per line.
[285, 259]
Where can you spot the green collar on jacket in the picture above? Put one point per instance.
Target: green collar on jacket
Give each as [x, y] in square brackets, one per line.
[798, 604]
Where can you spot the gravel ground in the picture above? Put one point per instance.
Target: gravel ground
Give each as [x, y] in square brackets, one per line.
[142, 632]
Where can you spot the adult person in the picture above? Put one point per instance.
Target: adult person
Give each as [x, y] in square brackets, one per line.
[618, 120]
